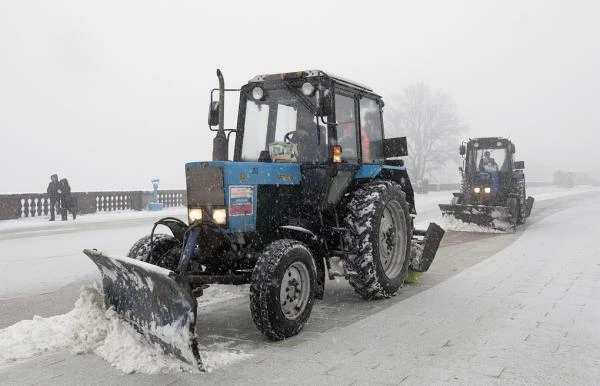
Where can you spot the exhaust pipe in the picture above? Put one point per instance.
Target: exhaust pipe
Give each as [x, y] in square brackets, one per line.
[220, 143]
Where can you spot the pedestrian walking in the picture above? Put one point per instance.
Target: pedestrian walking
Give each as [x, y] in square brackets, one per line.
[67, 201]
[54, 195]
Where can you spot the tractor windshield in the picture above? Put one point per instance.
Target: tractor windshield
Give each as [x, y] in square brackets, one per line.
[281, 123]
[489, 159]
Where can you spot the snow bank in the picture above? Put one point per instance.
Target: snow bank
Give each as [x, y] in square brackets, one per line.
[99, 217]
[454, 224]
[90, 328]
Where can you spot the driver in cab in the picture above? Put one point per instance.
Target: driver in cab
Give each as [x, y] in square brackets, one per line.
[306, 137]
[487, 163]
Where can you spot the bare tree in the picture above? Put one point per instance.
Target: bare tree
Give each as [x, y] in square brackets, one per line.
[431, 124]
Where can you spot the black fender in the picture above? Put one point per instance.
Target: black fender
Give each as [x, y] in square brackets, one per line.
[400, 176]
[175, 225]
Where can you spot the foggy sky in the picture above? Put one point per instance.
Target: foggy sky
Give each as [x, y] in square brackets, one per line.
[113, 93]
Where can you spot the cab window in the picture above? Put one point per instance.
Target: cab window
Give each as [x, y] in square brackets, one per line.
[346, 127]
[371, 131]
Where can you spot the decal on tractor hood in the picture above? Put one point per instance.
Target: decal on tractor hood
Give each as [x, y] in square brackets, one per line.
[240, 200]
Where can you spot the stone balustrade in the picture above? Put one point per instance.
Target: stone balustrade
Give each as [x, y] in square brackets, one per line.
[14, 206]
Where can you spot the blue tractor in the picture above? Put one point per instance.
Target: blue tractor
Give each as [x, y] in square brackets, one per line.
[315, 190]
[493, 191]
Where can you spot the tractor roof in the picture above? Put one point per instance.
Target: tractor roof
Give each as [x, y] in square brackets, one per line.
[493, 142]
[488, 139]
[309, 74]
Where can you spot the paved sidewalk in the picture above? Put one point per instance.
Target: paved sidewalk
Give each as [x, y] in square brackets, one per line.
[528, 315]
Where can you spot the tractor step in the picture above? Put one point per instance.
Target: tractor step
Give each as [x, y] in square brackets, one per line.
[340, 253]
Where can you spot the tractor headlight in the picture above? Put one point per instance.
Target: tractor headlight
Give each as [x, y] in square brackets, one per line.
[477, 189]
[308, 89]
[487, 190]
[258, 93]
[194, 215]
[220, 216]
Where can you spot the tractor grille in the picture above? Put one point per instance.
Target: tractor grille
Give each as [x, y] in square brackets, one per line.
[205, 186]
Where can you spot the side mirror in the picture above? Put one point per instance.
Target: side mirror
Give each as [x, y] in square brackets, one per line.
[462, 150]
[395, 147]
[213, 114]
[512, 148]
[461, 170]
[518, 165]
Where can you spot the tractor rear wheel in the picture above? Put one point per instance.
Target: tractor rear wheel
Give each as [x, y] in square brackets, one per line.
[282, 289]
[379, 234]
[166, 251]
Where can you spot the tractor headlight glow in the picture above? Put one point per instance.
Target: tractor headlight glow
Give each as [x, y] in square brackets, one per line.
[194, 215]
[220, 216]
[487, 190]
[477, 189]
[258, 93]
[308, 89]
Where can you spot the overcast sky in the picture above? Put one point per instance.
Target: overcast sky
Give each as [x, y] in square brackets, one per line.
[113, 93]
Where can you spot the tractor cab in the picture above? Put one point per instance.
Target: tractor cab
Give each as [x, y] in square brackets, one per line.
[309, 117]
[488, 168]
[489, 155]
[281, 121]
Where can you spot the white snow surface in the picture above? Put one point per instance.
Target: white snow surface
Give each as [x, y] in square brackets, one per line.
[218, 293]
[90, 328]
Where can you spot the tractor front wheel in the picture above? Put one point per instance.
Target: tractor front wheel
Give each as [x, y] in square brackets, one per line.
[282, 289]
[163, 250]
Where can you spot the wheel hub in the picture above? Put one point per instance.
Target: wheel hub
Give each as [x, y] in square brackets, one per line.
[294, 292]
[392, 244]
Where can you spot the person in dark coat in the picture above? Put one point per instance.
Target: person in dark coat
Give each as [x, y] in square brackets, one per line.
[66, 199]
[54, 195]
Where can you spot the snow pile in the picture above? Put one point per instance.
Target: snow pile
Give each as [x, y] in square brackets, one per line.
[89, 328]
[453, 224]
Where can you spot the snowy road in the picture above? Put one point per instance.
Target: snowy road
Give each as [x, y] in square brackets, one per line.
[334, 321]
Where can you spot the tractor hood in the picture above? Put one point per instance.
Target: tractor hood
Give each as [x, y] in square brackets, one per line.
[234, 186]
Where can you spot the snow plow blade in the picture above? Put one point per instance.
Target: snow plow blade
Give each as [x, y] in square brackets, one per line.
[495, 217]
[425, 250]
[156, 301]
[528, 205]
